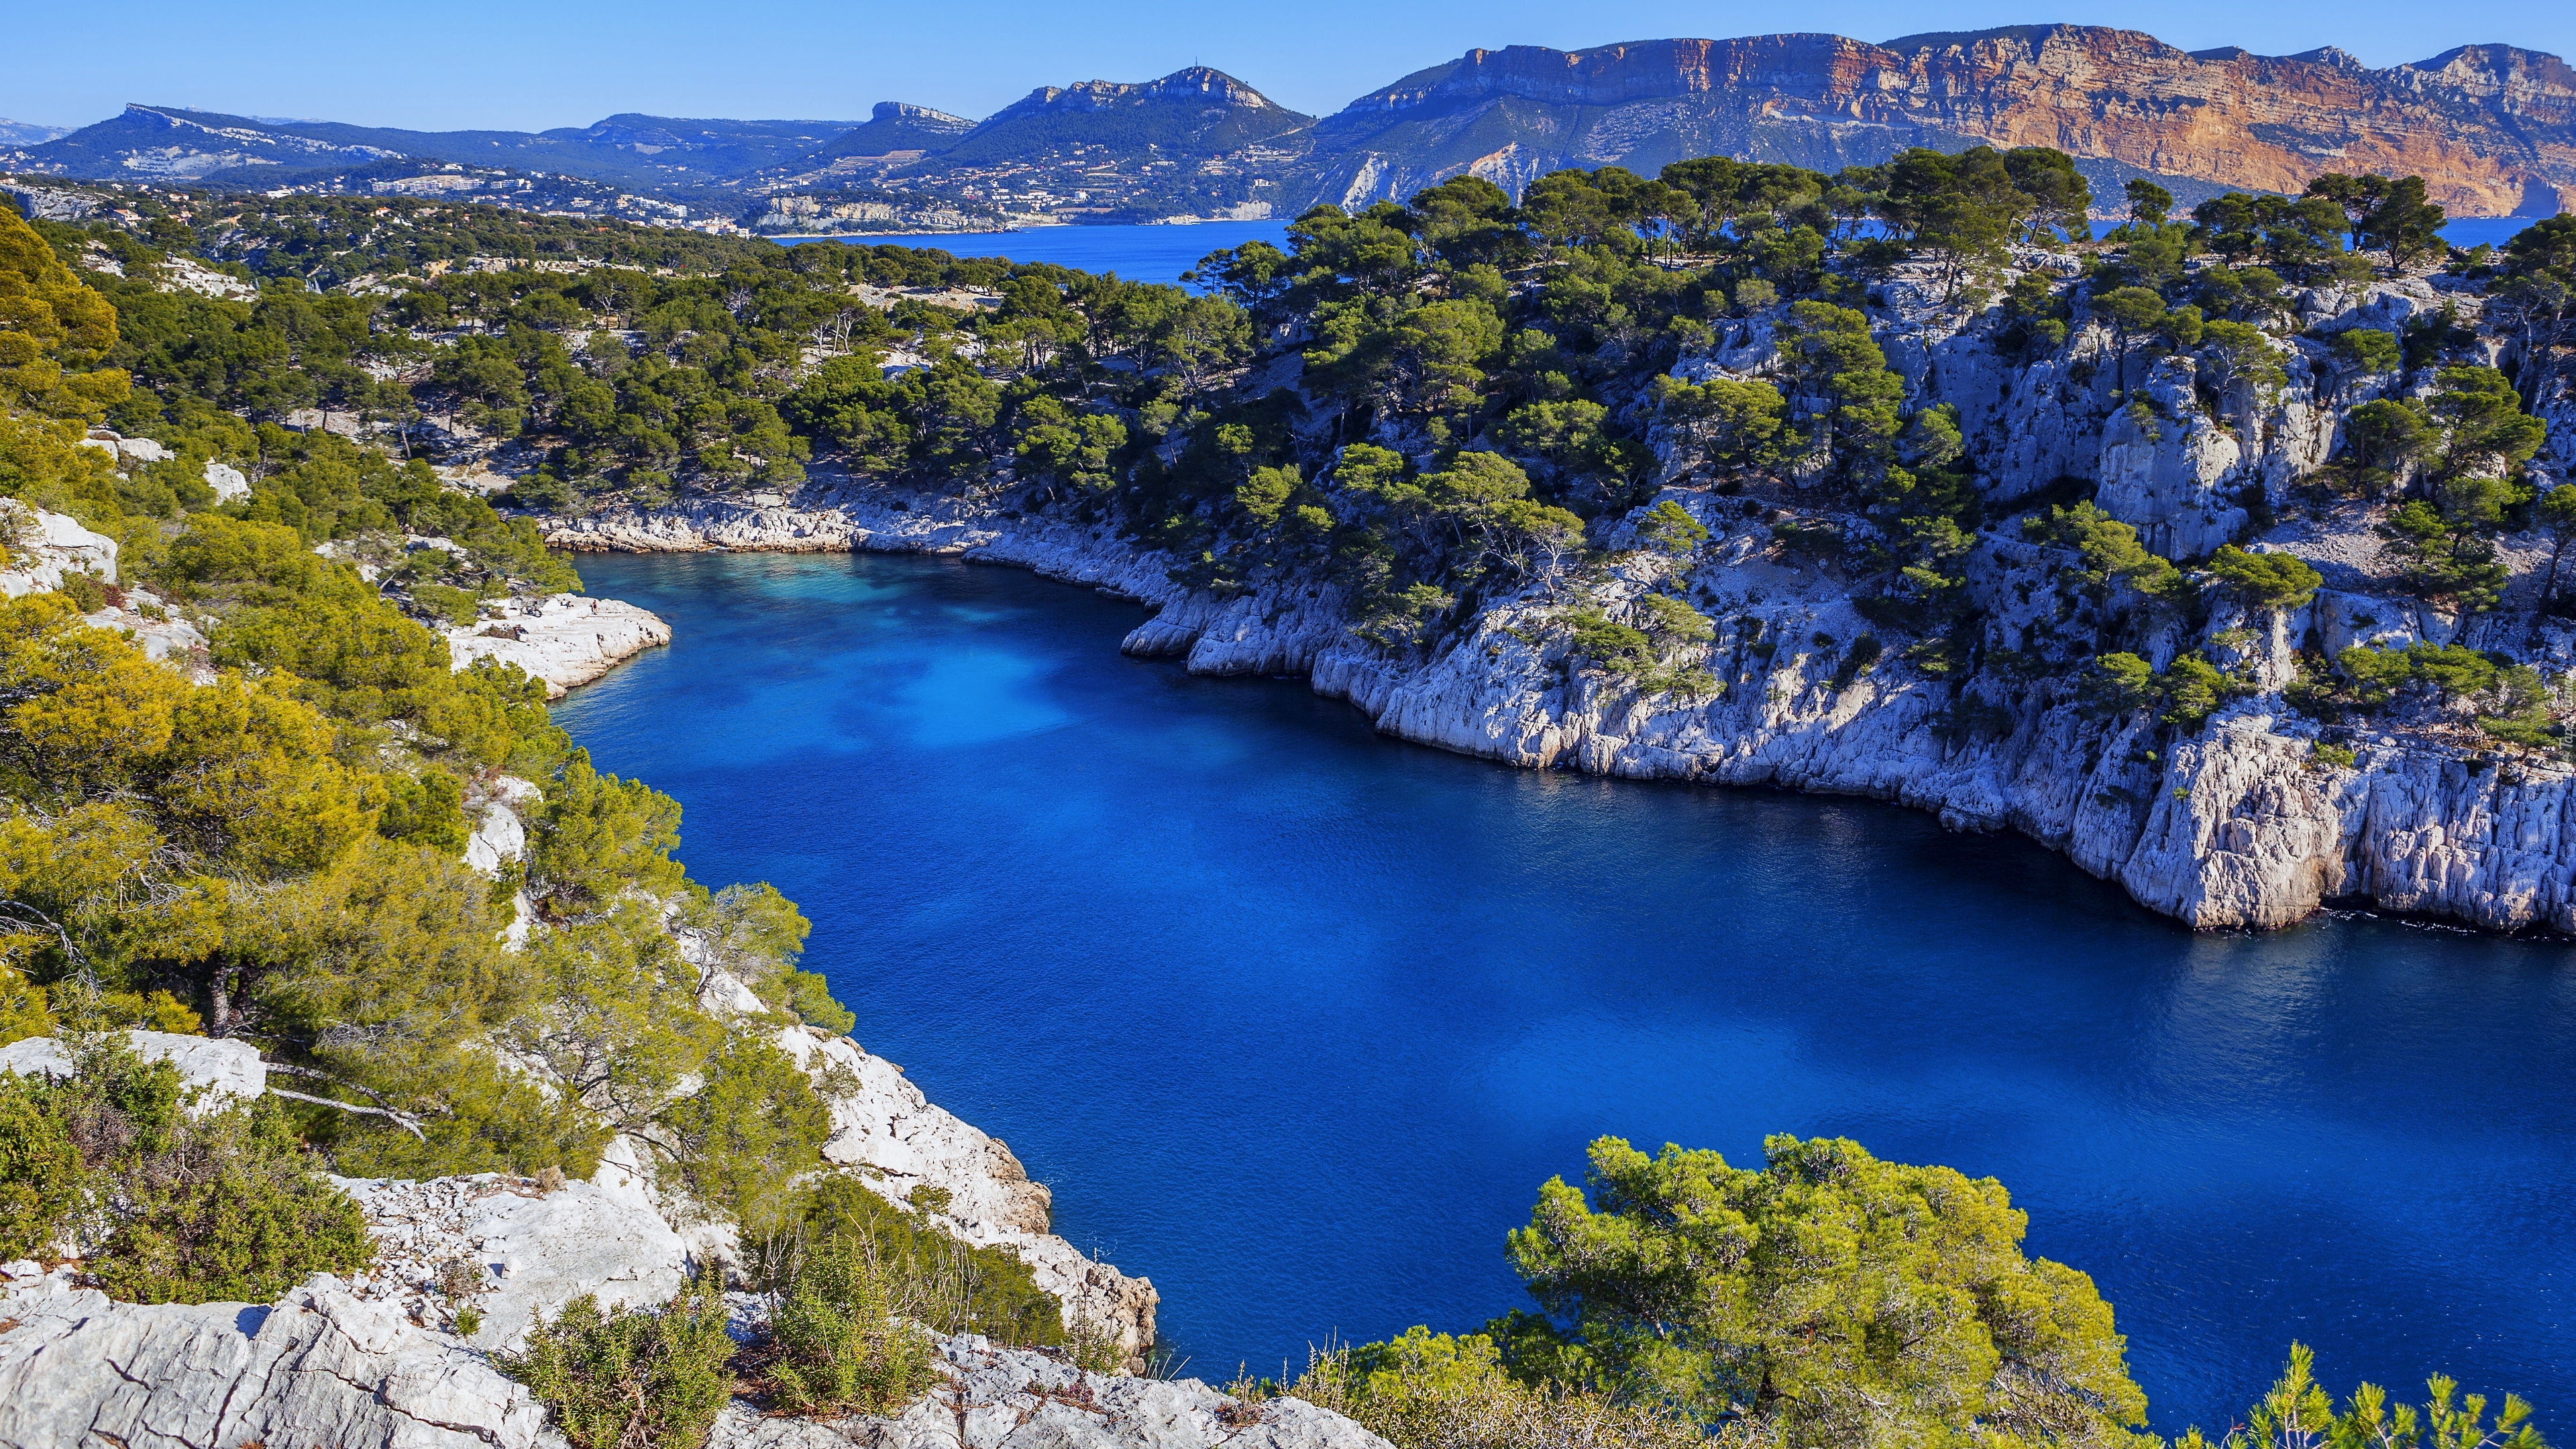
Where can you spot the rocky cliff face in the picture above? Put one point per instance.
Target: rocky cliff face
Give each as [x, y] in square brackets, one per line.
[2492, 129]
[2240, 823]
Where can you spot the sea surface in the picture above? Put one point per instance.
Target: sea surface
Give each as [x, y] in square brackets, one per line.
[1153, 253]
[1162, 253]
[1295, 1018]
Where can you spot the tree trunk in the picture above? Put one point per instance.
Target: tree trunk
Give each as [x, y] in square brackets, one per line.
[220, 1003]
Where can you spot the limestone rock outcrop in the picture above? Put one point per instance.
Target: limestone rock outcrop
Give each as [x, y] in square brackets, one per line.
[526, 1251]
[319, 1366]
[45, 546]
[563, 640]
[996, 1396]
[226, 1071]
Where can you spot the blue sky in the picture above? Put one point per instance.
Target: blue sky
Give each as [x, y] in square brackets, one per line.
[480, 63]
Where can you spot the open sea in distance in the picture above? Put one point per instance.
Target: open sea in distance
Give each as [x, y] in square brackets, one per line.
[1160, 253]
[1295, 1018]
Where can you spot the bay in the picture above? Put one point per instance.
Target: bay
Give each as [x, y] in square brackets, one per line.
[1147, 253]
[1294, 1018]
[1160, 253]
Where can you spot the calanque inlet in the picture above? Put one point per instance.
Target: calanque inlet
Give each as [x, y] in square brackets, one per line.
[371, 1072]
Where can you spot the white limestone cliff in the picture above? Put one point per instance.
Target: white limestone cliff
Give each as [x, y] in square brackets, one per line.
[2242, 825]
[899, 1139]
[41, 547]
[319, 1366]
[223, 1071]
[562, 640]
[376, 1359]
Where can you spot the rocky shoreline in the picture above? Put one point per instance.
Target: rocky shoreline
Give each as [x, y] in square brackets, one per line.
[382, 1359]
[562, 641]
[2238, 827]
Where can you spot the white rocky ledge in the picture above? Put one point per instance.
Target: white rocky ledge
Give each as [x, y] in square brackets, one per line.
[562, 640]
[996, 1396]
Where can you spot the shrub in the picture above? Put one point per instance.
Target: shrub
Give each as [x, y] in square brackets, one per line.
[2111, 552]
[1864, 656]
[1433, 1391]
[445, 604]
[2117, 683]
[2331, 757]
[2297, 1410]
[220, 1207]
[631, 1378]
[939, 1281]
[836, 1343]
[747, 1135]
[2450, 669]
[2522, 715]
[2367, 349]
[1669, 526]
[2265, 580]
[424, 809]
[1671, 622]
[85, 590]
[1766, 1304]
[41, 1175]
[2194, 689]
[600, 836]
[232, 1213]
[1612, 645]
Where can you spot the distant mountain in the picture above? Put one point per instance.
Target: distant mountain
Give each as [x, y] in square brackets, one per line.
[656, 154]
[900, 133]
[145, 143]
[1194, 112]
[24, 133]
[2491, 129]
[1197, 142]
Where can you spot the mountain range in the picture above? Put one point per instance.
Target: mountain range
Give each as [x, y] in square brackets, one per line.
[2491, 128]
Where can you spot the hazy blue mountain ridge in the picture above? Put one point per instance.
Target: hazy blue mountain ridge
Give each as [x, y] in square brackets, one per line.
[2491, 128]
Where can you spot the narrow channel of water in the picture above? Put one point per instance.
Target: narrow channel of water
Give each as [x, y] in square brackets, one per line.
[1295, 1019]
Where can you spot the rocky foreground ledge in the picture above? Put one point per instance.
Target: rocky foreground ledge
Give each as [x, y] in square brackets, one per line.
[2242, 825]
[323, 1366]
[374, 1359]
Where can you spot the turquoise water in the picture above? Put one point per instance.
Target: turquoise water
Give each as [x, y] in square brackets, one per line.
[1162, 253]
[1295, 1018]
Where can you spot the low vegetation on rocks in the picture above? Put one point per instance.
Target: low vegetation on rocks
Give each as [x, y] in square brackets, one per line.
[627, 1378]
[176, 1201]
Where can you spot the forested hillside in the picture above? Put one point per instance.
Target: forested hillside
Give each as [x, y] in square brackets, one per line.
[272, 851]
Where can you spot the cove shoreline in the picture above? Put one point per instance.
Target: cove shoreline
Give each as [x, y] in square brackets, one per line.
[2268, 845]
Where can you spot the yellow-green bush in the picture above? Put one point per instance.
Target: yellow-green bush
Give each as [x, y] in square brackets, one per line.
[631, 1378]
[836, 1345]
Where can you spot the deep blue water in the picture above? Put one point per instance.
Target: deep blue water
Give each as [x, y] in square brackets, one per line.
[1295, 1018]
[1162, 253]
[1136, 253]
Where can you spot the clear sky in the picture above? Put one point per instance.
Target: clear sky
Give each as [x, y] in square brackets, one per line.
[531, 65]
